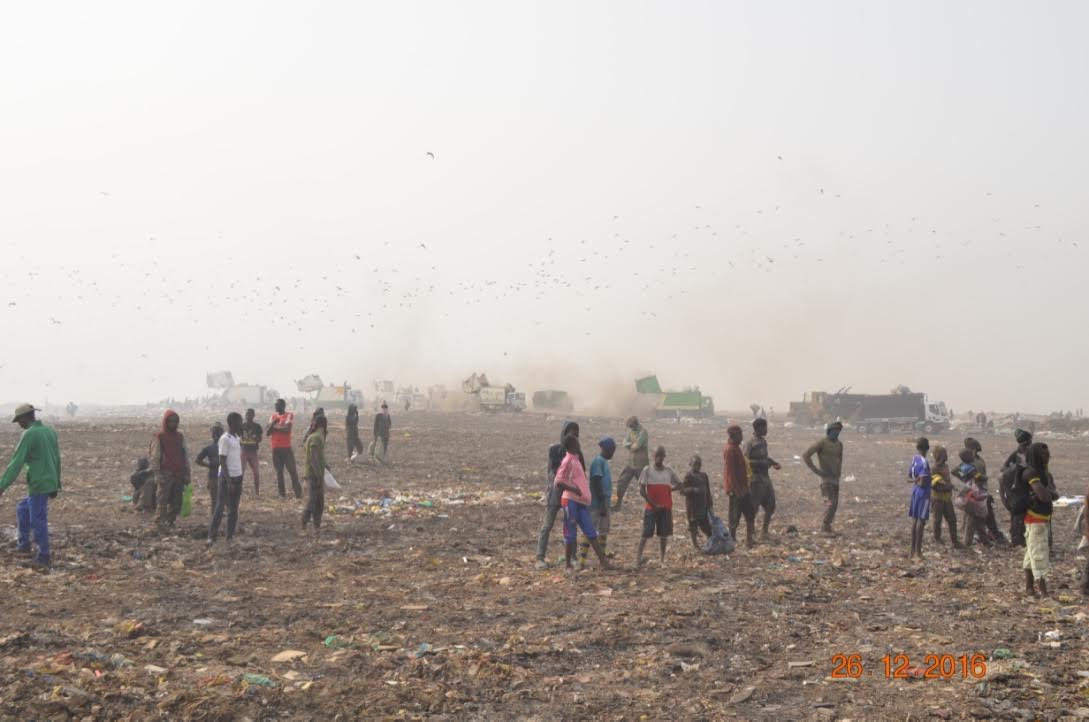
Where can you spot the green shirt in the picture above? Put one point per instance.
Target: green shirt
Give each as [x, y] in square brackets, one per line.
[315, 455]
[829, 457]
[637, 445]
[39, 454]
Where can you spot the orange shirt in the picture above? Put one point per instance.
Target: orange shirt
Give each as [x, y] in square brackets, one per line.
[279, 438]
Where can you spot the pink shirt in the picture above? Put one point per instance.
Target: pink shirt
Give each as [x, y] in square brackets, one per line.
[572, 474]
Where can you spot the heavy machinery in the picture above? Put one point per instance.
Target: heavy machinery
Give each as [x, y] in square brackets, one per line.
[900, 411]
[248, 394]
[493, 398]
[690, 402]
[553, 400]
[331, 396]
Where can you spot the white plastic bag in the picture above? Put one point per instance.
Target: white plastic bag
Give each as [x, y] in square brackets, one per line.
[331, 482]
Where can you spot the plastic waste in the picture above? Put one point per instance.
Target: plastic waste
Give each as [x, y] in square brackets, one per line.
[258, 679]
[187, 501]
[331, 482]
[720, 542]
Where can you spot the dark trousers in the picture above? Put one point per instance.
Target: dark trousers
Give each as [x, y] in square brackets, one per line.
[355, 444]
[282, 458]
[171, 487]
[315, 501]
[1017, 529]
[741, 506]
[250, 459]
[229, 494]
[943, 510]
[622, 484]
[830, 492]
[32, 514]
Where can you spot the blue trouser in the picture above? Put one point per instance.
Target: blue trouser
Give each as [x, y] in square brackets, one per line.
[33, 513]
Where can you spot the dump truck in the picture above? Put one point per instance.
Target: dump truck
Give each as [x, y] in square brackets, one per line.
[329, 396]
[690, 403]
[902, 411]
[553, 400]
[233, 393]
[490, 397]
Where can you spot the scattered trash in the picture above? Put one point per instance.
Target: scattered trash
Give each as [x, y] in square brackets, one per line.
[289, 655]
[258, 679]
[743, 696]
[1002, 653]
[203, 622]
[335, 642]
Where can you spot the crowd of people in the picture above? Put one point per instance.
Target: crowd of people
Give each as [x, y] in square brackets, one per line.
[583, 495]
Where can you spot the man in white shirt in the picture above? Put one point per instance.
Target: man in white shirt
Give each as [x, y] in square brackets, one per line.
[230, 478]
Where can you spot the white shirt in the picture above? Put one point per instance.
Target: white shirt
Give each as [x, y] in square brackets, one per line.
[231, 447]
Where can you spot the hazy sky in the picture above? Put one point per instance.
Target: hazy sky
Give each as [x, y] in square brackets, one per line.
[762, 198]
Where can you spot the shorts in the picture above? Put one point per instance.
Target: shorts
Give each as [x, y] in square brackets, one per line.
[577, 516]
[763, 494]
[1037, 555]
[660, 521]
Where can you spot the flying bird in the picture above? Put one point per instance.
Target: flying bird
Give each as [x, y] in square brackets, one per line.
[430, 155]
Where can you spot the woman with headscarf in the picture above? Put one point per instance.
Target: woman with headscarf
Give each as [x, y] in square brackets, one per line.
[170, 462]
[941, 496]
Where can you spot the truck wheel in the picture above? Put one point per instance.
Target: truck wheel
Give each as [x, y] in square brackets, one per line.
[861, 428]
[929, 428]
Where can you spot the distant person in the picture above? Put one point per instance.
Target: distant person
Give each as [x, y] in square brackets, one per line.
[1011, 471]
[941, 497]
[699, 503]
[975, 500]
[553, 494]
[601, 496]
[637, 445]
[229, 493]
[1041, 485]
[380, 444]
[278, 431]
[251, 444]
[919, 506]
[39, 454]
[738, 484]
[71, 409]
[170, 462]
[209, 459]
[656, 485]
[315, 473]
[351, 428]
[143, 483]
[760, 462]
[977, 460]
[571, 479]
[829, 452]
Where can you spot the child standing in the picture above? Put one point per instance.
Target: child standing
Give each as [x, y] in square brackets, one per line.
[229, 492]
[1041, 485]
[656, 485]
[209, 459]
[698, 502]
[601, 492]
[919, 508]
[571, 477]
[941, 496]
[975, 499]
[143, 485]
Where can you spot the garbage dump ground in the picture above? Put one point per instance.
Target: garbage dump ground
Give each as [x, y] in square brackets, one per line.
[420, 599]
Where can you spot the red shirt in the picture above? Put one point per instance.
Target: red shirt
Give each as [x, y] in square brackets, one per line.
[281, 438]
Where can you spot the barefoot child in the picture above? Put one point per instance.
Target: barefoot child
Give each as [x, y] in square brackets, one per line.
[1041, 485]
[571, 477]
[941, 496]
[601, 492]
[919, 508]
[656, 485]
[697, 500]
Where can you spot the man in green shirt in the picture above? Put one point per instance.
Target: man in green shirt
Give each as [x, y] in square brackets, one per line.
[829, 451]
[638, 458]
[39, 454]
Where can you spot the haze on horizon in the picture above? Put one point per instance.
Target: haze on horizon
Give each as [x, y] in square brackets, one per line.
[758, 198]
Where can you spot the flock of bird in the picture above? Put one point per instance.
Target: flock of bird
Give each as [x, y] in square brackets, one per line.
[400, 286]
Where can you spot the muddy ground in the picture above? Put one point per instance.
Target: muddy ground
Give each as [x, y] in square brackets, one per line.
[430, 606]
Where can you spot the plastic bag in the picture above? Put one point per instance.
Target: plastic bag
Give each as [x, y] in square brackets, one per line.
[187, 501]
[330, 482]
[720, 542]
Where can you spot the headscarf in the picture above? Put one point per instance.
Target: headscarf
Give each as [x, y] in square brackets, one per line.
[940, 467]
[1022, 436]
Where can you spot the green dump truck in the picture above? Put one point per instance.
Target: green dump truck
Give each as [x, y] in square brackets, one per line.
[690, 402]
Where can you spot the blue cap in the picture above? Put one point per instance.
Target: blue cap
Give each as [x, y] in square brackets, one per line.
[607, 442]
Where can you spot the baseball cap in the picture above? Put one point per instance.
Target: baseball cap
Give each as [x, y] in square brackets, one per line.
[23, 409]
